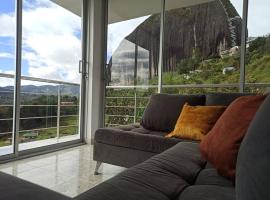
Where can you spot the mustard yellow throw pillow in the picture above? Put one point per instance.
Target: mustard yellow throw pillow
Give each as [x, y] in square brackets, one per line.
[195, 122]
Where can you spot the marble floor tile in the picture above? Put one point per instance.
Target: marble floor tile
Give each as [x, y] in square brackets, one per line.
[69, 172]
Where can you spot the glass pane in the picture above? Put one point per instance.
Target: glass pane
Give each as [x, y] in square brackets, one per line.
[7, 70]
[202, 46]
[132, 59]
[50, 91]
[258, 47]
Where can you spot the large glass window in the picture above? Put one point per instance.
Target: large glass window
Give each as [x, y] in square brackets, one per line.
[7, 70]
[50, 91]
[258, 47]
[132, 59]
[201, 51]
[202, 46]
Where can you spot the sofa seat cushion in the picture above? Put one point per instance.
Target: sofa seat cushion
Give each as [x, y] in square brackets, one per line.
[208, 192]
[13, 188]
[210, 176]
[139, 129]
[162, 177]
[135, 137]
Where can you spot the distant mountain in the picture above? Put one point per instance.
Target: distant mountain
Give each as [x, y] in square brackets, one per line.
[29, 92]
[51, 89]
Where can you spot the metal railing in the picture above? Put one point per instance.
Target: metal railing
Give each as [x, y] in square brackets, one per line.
[57, 106]
[135, 98]
[42, 80]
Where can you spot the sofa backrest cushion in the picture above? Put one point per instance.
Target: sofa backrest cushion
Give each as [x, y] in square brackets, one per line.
[163, 110]
[221, 145]
[253, 162]
[222, 99]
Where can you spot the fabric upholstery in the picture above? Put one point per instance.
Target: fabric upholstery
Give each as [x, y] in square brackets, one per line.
[223, 99]
[12, 188]
[208, 192]
[163, 176]
[136, 138]
[253, 163]
[179, 173]
[120, 156]
[221, 145]
[130, 145]
[195, 122]
[163, 110]
[172, 174]
[210, 176]
[139, 129]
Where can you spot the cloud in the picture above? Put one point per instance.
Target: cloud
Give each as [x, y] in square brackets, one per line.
[7, 22]
[238, 4]
[51, 40]
[51, 45]
[118, 31]
[6, 81]
[258, 16]
[6, 55]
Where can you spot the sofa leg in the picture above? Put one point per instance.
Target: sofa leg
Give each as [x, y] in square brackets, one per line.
[98, 164]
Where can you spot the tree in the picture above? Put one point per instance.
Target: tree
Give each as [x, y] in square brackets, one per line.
[257, 44]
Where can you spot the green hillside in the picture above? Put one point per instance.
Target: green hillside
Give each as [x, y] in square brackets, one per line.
[209, 71]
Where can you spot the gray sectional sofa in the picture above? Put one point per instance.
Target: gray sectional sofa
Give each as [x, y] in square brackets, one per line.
[130, 145]
[178, 173]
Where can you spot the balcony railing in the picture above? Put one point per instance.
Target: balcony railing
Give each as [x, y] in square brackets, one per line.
[122, 109]
[58, 120]
[124, 104]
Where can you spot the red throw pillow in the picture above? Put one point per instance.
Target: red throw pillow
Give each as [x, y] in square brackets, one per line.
[220, 146]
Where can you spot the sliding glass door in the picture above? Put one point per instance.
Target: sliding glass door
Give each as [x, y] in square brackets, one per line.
[49, 87]
[183, 47]
[7, 70]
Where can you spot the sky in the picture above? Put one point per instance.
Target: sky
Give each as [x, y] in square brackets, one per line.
[52, 37]
[51, 41]
[118, 31]
[258, 15]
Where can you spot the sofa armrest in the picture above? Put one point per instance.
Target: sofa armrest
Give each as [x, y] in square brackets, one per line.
[13, 188]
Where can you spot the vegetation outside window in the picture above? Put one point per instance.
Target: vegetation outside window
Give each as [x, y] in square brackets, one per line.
[258, 47]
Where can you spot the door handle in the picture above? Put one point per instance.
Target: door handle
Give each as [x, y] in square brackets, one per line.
[80, 66]
[83, 68]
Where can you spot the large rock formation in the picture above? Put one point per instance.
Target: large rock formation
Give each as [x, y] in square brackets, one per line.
[208, 28]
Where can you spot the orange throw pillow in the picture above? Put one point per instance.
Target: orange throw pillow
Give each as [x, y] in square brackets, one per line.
[195, 122]
[220, 146]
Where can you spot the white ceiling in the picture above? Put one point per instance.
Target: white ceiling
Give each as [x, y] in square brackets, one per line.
[74, 6]
[120, 10]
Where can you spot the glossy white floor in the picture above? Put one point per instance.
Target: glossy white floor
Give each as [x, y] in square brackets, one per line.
[70, 172]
